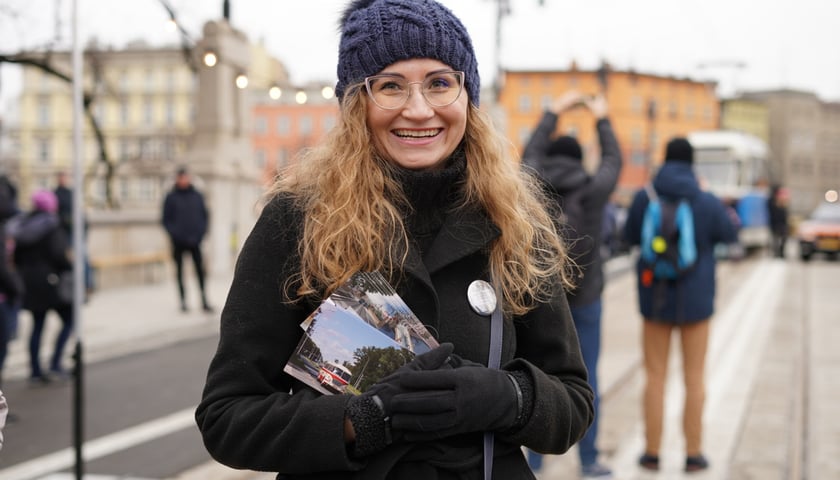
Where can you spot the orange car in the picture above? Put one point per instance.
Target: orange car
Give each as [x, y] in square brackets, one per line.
[820, 232]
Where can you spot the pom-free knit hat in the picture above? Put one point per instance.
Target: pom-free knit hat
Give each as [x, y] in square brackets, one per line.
[679, 150]
[377, 33]
[566, 146]
[45, 201]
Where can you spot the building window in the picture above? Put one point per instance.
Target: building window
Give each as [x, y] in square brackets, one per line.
[689, 112]
[636, 105]
[259, 158]
[124, 112]
[43, 154]
[282, 158]
[43, 112]
[305, 125]
[545, 102]
[170, 81]
[283, 125]
[123, 81]
[149, 112]
[328, 123]
[125, 149]
[169, 110]
[673, 109]
[150, 80]
[260, 125]
[524, 104]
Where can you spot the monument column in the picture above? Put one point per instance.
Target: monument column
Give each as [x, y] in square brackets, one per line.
[220, 157]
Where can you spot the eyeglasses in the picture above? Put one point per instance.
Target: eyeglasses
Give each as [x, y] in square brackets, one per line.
[392, 91]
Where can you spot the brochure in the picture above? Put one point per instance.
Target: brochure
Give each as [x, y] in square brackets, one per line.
[359, 334]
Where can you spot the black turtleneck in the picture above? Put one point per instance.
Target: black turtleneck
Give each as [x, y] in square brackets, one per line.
[430, 194]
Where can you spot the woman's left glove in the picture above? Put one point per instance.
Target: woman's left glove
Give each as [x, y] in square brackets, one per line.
[468, 398]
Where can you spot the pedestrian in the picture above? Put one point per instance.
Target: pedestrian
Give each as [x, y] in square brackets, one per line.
[64, 194]
[685, 304]
[185, 219]
[777, 211]
[581, 199]
[413, 182]
[11, 285]
[41, 258]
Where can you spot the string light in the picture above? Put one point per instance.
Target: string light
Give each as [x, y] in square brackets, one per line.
[210, 59]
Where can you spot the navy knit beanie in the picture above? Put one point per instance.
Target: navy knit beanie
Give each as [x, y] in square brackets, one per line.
[377, 33]
[566, 146]
[679, 150]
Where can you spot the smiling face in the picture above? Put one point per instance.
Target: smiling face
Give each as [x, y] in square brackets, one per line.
[417, 136]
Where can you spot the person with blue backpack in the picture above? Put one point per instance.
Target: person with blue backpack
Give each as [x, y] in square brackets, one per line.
[676, 225]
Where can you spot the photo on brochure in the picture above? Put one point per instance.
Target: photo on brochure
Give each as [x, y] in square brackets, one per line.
[362, 332]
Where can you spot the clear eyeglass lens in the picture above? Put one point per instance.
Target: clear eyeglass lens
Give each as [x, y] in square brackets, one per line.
[439, 89]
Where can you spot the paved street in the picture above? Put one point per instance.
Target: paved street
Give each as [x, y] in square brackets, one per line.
[772, 370]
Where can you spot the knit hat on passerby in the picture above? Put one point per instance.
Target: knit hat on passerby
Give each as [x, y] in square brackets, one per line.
[679, 150]
[566, 146]
[377, 33]
[45, 201]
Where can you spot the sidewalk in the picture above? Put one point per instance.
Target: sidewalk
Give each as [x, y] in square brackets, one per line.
[119, 321]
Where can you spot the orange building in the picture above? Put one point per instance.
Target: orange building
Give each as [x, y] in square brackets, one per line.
[646, 111]
[297, 119]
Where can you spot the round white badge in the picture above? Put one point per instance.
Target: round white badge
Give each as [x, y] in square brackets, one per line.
[482, 298]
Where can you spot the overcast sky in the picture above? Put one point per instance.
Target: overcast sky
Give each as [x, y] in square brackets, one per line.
[786, 45]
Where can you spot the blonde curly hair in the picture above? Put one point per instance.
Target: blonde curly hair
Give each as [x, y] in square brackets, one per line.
[353, 210]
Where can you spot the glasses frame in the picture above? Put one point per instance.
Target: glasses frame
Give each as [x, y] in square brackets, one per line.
[462, 81]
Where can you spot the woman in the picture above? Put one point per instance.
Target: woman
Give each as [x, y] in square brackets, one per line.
[415, 183]
[40, 257]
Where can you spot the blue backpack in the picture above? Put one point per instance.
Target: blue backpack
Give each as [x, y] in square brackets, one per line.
[668, 249]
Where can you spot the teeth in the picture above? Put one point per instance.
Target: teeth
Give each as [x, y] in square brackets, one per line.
[416, 133]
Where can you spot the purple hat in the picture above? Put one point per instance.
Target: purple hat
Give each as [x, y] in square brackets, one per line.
[377, 33]
[45, 201]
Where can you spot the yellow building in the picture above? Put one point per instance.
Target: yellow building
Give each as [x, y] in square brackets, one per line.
[142, 100]
[646, 111]
[745, 115]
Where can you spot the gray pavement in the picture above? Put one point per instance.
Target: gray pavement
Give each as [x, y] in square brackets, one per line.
[782, 431]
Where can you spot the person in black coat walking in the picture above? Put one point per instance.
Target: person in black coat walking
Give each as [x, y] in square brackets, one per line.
[41, 257]
[414, 182]
[580, 199]
[185, 219]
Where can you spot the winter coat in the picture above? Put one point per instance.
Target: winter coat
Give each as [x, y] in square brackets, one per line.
[40, 256]
[253, 415]
[185, 216]
[11, 285]
[690, 298]
[581, 199]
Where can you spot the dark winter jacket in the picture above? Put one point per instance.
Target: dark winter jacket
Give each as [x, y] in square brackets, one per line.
[253, 415]
[581, 199]
[777, 214]
[691, 298]
[185, 216]
[11, 285]
[40, 256]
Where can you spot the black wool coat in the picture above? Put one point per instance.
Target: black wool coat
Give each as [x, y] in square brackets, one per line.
[254, 416]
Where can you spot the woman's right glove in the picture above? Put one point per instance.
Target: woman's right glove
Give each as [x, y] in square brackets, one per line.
[370, 412]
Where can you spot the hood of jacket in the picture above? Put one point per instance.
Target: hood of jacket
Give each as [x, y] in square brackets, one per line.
[564, 173]
[32, 227]
[676, 180]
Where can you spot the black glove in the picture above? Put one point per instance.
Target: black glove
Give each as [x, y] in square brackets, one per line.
[370, 412]
[467, 398]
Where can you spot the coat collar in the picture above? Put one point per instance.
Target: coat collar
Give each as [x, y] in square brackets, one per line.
[465, 231]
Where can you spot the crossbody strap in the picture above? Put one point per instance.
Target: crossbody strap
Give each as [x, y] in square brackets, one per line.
[493, 361]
